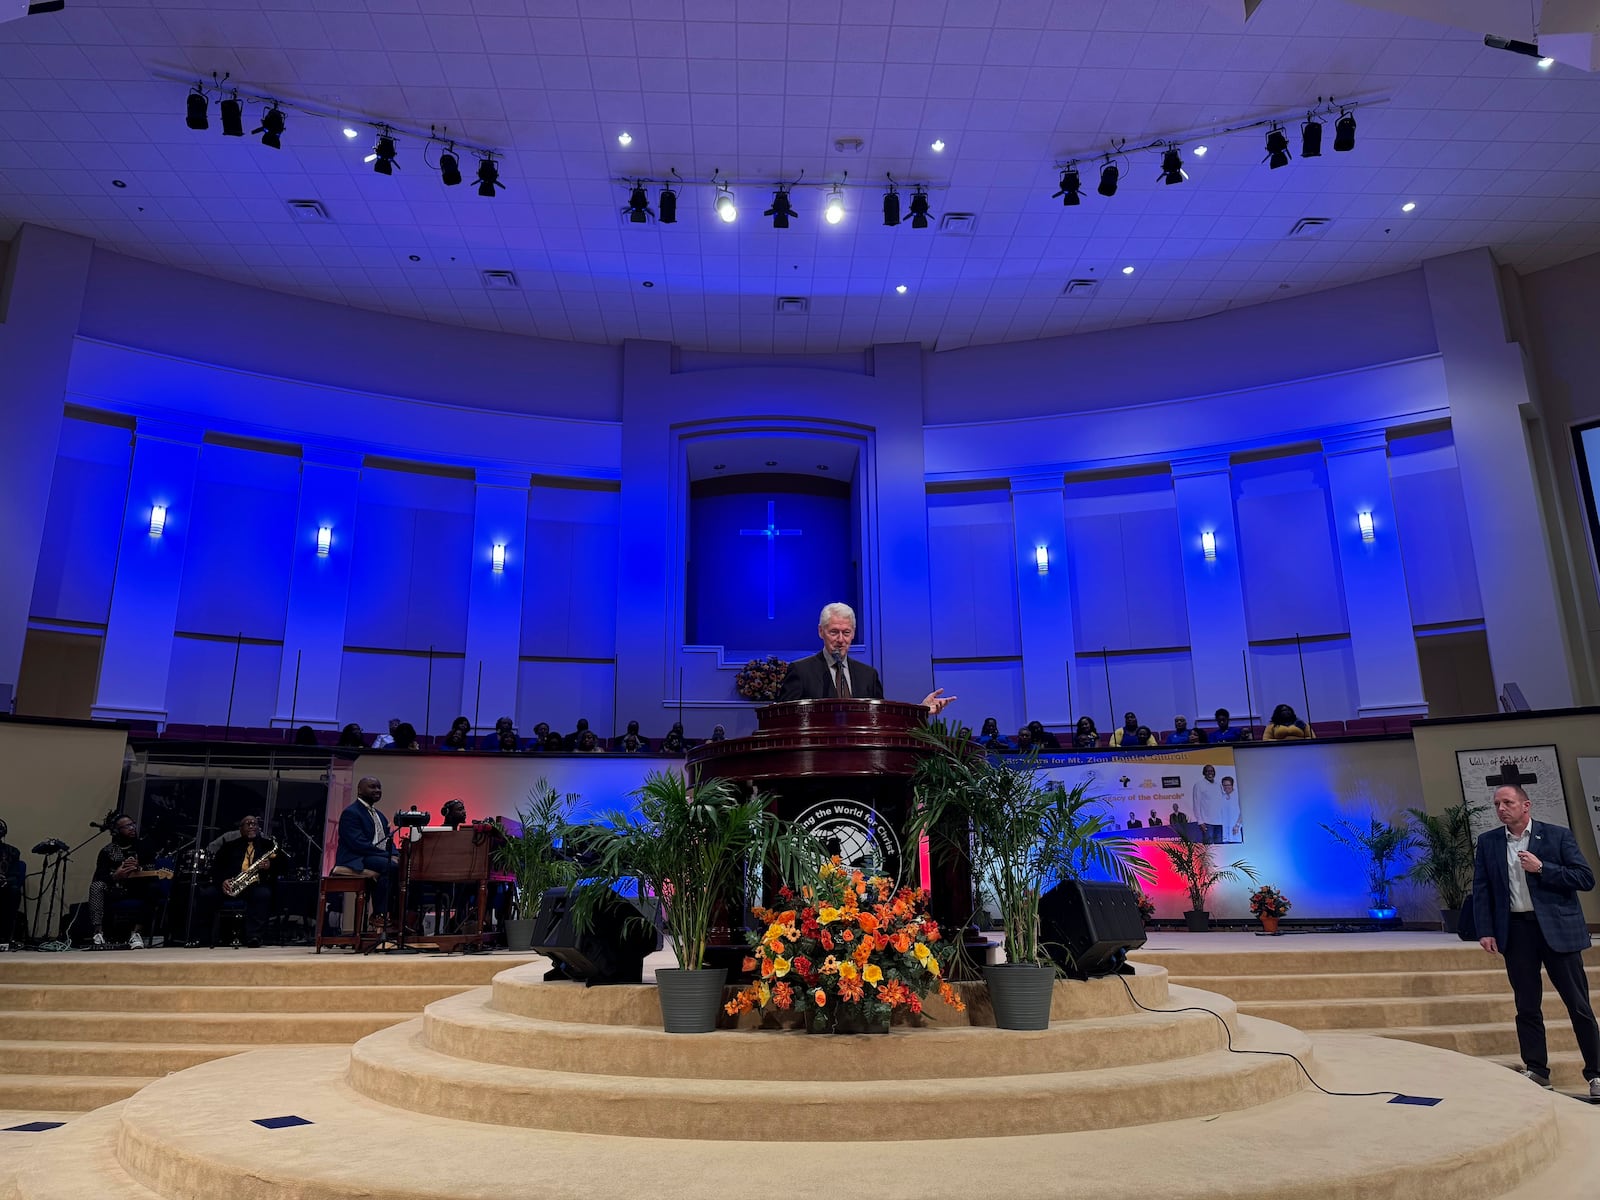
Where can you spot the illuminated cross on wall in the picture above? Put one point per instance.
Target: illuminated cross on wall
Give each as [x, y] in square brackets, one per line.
[772, 533]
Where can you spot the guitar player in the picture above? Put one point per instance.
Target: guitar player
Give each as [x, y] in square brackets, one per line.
[118, 876]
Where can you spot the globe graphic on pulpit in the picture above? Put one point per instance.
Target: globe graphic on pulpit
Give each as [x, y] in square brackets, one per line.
[852, 844]
[853, 831]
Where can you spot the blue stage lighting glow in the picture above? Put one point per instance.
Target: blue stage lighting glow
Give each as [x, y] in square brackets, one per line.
[158, 519]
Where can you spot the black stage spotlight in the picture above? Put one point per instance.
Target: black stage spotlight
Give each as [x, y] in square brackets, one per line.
[1108, 179]
[667, 202]
[382, 155]
[1071, 188]
[1277, 148]
[197, 110]
[891, 207]
[781, 210]
[1344, 131]
[1311, 138]
[232, 116]
[488, 177]
[271, 128]
[639, 205]
[1513, 45]
[1172, 166]
[449, 167]
[919, 209]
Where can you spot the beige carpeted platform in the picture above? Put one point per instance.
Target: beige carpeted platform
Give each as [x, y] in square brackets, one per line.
[528, 1088]
[1432, 989]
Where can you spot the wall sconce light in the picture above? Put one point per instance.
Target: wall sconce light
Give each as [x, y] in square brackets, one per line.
[324, 540]
[1208, 543]
[158, 519]
[499, 556]
[1365, 521]
[1041, 558]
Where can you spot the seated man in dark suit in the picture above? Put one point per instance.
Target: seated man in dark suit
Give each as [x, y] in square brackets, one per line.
[831, 673]
[364, 843]
[1526, 876]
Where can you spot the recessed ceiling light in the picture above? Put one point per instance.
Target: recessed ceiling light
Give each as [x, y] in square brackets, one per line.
[938, 146]
[901, 288]
[822, 466]
[624, 138]
[1408, 206]
[649, 283]
[772, 462]
[350, 133]
[1200, 151]
[1547, 63]
[118, 183]
[1127, 270]
[719, 466]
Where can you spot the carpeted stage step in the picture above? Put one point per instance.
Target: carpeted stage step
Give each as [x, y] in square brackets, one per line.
[1427, 988]
[190, 1137]
[292, 1028]
[401, 998]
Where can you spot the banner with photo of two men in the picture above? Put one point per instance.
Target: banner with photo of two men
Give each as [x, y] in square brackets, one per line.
[1151, 794]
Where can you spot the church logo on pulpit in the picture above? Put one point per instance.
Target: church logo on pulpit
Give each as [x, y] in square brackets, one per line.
[854, 831]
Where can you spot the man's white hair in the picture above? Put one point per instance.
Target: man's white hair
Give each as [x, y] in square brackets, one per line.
[836, 611]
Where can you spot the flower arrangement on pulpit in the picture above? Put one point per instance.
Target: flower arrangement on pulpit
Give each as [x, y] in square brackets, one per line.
[848, 954]
[761, 678]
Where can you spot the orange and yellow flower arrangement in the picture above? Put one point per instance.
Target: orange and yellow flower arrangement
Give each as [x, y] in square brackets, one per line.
[853, 952]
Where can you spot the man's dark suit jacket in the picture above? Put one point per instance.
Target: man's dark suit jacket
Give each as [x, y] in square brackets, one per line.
[355, 836]
[1553, 890]
[812, 679]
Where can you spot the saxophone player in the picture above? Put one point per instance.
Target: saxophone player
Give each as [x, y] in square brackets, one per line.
[235, 857]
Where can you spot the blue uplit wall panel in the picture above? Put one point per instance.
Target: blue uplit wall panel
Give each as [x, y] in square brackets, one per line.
[569, 600]
[985, 689]
[1435, 543]
[202, 677]
[236, 565]
[1330, 679]
[972, 558]
[375, 687]
[78, 557]
[1287, 556]
[1124, 565]
[729, 583]
[1156, 686]
[412, 562]
[561, 692]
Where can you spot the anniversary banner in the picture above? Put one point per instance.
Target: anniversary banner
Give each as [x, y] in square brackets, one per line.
[1151, 794]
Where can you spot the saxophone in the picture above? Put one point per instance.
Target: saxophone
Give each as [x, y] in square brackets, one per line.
[237, 885]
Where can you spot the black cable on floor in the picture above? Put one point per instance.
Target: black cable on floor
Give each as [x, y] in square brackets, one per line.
[1227, 1032]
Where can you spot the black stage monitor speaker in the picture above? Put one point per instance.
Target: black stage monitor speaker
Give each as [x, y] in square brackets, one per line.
[1090, 927]
[612, 950]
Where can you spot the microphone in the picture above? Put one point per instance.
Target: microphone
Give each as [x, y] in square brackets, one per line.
[108, 823]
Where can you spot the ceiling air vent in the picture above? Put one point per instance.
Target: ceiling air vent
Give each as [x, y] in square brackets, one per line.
[307, 210]
[1081, 288]
[500, 279]
[794, 306]
[1310, 227]
[962, 223]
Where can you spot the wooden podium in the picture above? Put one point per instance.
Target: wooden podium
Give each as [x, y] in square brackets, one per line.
[842, 770]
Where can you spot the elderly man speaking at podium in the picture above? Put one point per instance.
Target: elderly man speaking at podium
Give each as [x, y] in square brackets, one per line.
[830, 674]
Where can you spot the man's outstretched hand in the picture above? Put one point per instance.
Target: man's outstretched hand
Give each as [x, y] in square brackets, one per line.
[936, 700]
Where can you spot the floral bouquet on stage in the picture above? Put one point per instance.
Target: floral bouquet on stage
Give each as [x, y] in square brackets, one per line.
[1268, 901]
[853, 952]
[760, 678]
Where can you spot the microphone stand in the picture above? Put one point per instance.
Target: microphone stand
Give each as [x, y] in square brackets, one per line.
[57, 889]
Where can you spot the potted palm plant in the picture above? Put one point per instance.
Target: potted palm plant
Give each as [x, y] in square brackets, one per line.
[1023, 834]
[1384, 847]
[534, 860]
[691, 848]
[1444, 861]
[1192, 862]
